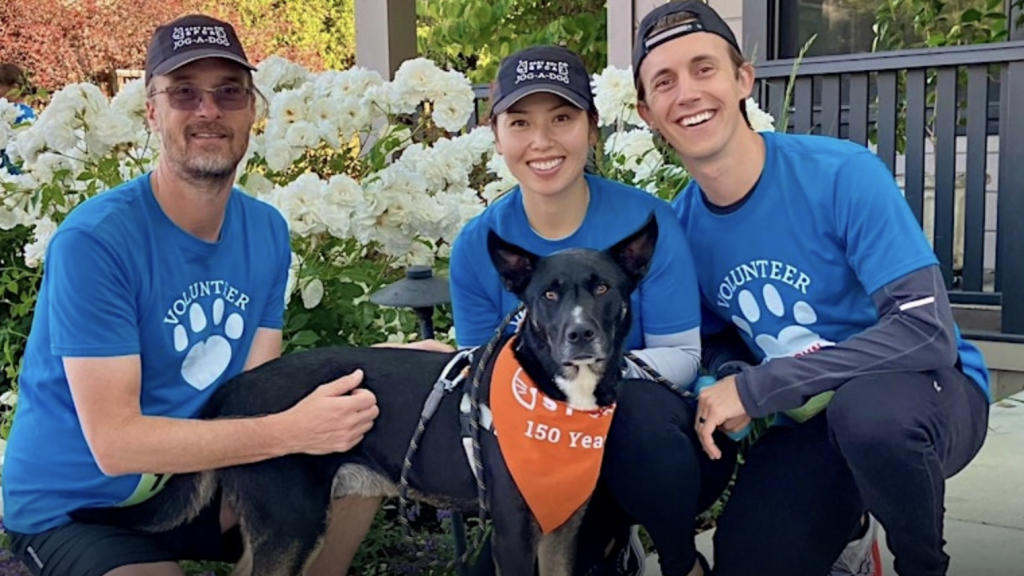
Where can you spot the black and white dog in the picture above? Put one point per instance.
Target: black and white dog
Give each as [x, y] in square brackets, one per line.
[570, 345]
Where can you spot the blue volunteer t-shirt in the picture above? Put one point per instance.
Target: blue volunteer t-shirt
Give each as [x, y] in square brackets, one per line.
[25, 114]
[795, 266]
[122, 279]
[665, 303]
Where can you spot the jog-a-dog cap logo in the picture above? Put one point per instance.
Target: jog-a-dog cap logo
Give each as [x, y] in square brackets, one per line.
[550, 69]
[192, 38]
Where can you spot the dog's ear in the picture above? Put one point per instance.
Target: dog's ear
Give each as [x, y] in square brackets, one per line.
[514, 265]
[634, 253]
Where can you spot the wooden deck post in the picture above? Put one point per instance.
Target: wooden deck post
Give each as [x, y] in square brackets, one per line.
[385, 34]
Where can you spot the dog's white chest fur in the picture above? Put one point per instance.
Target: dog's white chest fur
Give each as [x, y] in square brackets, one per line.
[579, 391]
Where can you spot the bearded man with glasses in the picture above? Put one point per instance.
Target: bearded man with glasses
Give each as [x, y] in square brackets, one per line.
[154, 294]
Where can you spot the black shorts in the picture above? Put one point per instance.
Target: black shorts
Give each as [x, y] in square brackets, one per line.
[84, 549]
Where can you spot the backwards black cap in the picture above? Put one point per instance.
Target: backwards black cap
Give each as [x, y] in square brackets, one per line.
[652, 33]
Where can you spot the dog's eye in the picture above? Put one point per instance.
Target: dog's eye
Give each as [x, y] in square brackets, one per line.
[601, 289]
[551, 295]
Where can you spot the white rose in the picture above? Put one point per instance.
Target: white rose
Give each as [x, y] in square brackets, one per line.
[276, 73]
[279, 156]
[303, 134]
[759, 119]
[257, 184]
[288, 106]
[312, 293]
[36, 250]
[615, 97]
[131, 99]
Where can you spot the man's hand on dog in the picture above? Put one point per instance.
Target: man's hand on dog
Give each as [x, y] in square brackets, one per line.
[334, 417]
[719, 406]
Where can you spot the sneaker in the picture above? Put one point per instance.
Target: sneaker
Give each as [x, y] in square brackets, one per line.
[627, 559]
[861, 557]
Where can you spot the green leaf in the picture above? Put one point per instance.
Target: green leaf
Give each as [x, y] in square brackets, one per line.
[971, 15]
[483, 14]
[304, 338]
[297, 321]
[346, 291]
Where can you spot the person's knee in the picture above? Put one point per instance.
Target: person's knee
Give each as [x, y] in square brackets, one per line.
[646, 408]
[860, 417]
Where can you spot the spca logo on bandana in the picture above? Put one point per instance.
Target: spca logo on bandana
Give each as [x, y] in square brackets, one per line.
[195, 35]
[542, 70]
[526, 394]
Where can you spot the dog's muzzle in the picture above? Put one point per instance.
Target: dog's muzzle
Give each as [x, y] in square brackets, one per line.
[580, 344]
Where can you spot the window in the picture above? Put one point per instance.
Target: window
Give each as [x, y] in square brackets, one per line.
[842, 26]
[847, 26]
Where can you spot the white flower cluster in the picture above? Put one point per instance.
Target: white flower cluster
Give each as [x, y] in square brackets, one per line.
[423, 196]
[636, 150]
[615, 98]
[419, 81]
[78, 127]
[276, 74]
[411, 207]
[307, 110]
[80, 124]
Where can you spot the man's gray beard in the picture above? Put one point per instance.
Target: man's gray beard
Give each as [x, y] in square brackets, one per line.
[210, 168]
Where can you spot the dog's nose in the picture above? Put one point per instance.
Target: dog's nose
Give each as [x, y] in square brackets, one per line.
[580, 333]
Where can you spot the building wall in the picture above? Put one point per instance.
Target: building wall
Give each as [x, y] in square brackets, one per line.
[732, 12]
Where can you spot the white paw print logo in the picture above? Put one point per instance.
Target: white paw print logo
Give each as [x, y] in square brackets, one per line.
[517, 321]
[792, 340]
[207, 359]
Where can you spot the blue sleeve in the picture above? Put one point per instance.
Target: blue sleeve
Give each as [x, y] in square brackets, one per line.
[91, 299]
[273, 312]
[475, 290]
[883, 240]
[669, 295]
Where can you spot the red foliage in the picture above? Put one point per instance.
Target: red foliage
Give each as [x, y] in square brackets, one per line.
[58, 42]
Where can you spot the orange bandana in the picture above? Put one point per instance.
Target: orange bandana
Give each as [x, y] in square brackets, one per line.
[553, 452]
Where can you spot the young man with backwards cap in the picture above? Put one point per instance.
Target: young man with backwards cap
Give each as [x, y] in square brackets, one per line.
[154, 294]
[808, 257]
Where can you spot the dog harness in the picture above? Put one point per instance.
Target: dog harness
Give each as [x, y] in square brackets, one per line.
[553, 452]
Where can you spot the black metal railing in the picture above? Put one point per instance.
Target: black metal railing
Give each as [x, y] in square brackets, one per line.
[922, 110]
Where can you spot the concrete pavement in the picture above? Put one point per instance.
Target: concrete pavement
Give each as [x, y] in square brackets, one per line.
[984, 504]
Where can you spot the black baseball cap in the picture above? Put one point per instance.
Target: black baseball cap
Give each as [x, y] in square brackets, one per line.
[551, 69]
[192, 38]
[705, 19]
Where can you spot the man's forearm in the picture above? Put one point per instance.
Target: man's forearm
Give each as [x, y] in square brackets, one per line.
[156, 444]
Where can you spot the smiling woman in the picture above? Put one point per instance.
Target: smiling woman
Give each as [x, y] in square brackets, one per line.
[544, 121]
